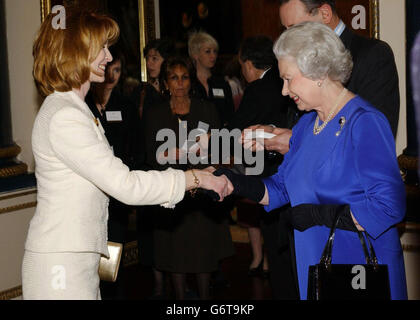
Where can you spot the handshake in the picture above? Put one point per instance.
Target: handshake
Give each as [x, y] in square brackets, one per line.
[225, 182]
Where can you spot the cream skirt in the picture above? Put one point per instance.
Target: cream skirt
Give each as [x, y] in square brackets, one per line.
[60, 276]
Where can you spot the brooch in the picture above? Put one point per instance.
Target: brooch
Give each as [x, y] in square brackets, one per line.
[96, 121]
[342, 122]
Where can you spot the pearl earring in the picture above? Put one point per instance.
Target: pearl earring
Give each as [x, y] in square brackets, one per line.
[319, 84]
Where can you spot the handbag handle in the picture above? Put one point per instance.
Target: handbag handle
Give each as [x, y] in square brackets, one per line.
[327, 253]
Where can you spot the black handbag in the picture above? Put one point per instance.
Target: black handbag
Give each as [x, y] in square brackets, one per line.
[327, 281]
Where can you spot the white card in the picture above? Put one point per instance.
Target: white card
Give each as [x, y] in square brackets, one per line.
[113, 115]
[218, 93]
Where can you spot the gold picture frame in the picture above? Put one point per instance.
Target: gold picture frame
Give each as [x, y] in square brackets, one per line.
[374, 22]
[149, 23]
[343, 6]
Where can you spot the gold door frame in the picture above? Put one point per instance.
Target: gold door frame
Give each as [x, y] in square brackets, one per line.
[374, 18]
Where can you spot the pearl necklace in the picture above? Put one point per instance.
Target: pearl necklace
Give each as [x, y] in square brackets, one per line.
[318, 128]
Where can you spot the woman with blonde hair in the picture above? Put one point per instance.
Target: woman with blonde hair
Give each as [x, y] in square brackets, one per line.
[76, 170]
[203, 50]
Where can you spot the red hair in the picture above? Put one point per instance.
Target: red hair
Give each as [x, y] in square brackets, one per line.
[62, 57]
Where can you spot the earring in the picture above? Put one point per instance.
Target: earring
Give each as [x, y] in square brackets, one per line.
[319, 84]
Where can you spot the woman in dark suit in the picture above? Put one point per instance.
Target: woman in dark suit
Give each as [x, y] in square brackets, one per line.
[152, 92]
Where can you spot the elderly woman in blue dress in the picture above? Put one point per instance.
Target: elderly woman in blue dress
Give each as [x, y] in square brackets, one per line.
[341, 159]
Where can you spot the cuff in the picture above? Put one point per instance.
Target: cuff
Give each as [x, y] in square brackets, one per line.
[177, 188]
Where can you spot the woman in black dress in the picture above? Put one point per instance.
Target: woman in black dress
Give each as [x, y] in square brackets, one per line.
[152, 92]
[196, 235]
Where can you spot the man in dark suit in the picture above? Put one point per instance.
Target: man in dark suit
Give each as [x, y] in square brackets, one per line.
[374, 78]
[262, 101]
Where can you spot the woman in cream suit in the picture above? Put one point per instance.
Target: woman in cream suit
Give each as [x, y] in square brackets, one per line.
[75, 166]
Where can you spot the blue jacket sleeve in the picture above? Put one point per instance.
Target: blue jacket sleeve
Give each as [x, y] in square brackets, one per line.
[376, 165]
[277, 193]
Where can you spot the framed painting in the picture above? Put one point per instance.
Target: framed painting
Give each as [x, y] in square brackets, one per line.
[229, 21]
[232, 20]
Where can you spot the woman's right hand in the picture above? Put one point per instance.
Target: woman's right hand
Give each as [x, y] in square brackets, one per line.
[219, 184]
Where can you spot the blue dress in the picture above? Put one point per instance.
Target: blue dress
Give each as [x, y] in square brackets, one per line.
[356, 167]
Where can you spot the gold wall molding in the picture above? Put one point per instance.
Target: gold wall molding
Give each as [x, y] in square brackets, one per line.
[10, 152]
[374, 19]
[11, 293]
[18, 195]
[45, 9]
[142, 32]
[18, 207]
[14, 170]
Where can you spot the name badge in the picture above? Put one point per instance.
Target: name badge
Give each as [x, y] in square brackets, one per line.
[218, 93]
[113, 115]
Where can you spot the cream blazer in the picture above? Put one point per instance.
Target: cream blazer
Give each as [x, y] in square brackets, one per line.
[76, 171]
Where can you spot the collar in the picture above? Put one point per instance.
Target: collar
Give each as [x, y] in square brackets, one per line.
[77, 100]
[340, 28]
[262, 76]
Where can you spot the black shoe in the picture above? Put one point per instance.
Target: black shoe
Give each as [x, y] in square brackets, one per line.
[253, 272]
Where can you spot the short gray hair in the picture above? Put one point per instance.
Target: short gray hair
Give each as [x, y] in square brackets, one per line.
[317, 51]
[197, 39]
